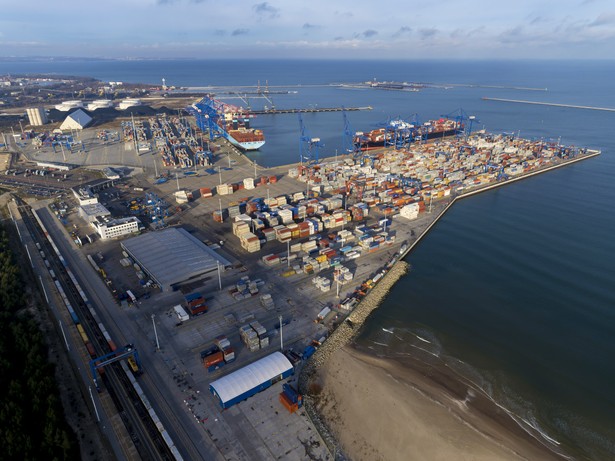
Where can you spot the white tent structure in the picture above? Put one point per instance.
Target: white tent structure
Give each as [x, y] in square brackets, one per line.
[251, 379]
[78, 120]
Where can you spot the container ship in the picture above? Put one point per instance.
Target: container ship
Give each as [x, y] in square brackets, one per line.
[400, 132]
[230, 122]
[239, 133]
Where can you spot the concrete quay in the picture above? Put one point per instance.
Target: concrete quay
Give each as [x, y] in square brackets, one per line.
[174, 375]
[349, 329]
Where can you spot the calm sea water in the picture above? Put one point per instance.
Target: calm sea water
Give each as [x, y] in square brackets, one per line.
[514, 288]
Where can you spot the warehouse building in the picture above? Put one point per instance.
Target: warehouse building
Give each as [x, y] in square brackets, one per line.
[109, 228]
[251, 379]
[78, 120]
[36, 116]
[84, 195]
[91, 211]
[172, 257]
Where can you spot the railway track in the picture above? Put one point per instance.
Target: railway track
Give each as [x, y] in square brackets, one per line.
[142, 429]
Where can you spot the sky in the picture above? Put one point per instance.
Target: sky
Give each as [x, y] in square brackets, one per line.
[332, 29]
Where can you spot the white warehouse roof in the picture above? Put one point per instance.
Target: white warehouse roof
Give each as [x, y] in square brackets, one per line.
[78, 120]
[251, 376]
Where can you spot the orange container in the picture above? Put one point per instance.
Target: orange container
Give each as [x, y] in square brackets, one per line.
[291, 407]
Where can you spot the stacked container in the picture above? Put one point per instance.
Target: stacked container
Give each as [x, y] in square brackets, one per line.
[267, 301]
[219, 215]
[248, 183]
[224, 189]
[271, 260]
[290, 398]
[249, 337]
[196, 303]
[225, 346]
[250, 242]
[240, 228]
[261, 333]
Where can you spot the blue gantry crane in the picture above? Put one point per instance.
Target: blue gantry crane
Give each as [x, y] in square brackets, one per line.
[157, 209]
[349, 144]
[464, 122]
[309, 146]
[209, 116]
[125, 352]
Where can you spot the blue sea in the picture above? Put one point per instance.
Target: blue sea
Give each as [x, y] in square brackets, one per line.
[513, 289]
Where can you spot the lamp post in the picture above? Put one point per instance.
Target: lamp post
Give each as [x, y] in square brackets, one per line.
[94, 403]
[281, 340]
[219, 276]
[288, 253]
[155, 332]
[64, 335]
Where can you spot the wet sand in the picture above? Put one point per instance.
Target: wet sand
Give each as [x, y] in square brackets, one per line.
[378, 409]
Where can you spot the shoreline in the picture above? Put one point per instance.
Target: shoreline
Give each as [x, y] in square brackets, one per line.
[342, 340]
[378, 408]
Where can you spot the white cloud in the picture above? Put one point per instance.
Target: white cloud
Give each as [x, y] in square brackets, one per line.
[473, 28]
[604, 19]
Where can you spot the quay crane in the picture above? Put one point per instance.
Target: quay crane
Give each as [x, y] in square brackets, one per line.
[208, 115]
[308, 145]
[461, 117]
[399, 133]
[350, 145]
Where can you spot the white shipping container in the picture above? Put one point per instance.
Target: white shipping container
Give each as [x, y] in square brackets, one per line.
[248, 183]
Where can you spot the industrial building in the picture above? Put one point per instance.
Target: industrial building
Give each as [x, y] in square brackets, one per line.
[100, 104]
[110, 173]
[109, 228]
[173, 257]
[78, 120]
[251, 379]
[65, 106]
[36, 116]
[57, 165]
[91, 211]
[84, 195]
[129, 102]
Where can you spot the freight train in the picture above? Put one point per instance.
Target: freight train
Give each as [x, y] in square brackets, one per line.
[88, 344]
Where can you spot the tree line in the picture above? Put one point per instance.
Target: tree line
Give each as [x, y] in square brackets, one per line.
[32, 423]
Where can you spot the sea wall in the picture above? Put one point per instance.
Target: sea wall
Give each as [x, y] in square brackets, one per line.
[342, 336]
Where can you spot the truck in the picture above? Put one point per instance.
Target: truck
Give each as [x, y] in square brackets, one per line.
[323, 313]
[132, 297]
[182, 315]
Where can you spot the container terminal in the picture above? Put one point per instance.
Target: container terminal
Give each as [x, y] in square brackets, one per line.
[226, 276]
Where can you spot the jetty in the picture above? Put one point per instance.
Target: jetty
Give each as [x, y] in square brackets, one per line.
[308, 110]
[539, 103]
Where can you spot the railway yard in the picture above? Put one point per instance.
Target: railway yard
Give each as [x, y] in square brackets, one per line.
[294, 249]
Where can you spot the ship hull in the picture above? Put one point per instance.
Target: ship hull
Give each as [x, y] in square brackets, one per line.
[371, 144]
[246, 145]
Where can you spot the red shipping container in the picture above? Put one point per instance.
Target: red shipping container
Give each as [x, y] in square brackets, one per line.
[213, 359]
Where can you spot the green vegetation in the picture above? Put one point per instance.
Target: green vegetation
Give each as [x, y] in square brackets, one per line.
[32, 424]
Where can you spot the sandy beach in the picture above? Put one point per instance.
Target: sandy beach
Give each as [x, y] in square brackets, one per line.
[380, 410]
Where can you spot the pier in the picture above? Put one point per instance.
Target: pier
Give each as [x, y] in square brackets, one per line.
[309, 110]
[538, 103]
